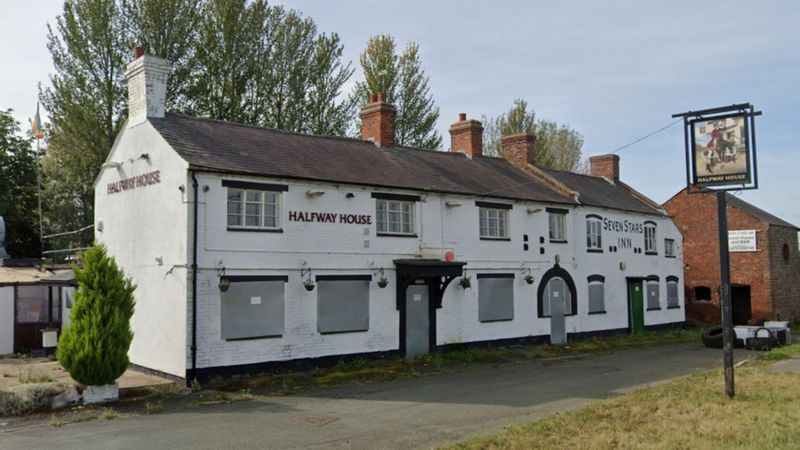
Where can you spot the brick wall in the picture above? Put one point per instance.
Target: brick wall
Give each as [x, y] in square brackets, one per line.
[696, 217]
[784, 271]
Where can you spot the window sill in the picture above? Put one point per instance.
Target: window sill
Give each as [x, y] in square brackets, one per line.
[565, 315]
[400, 235]
[254, 338]
[674, 307]
[597, 312]
[257, 230]
[594, 250]
[343, 331]
[496, 320]
[487, 238]
[651, 253]
[670, 256]
[654, 309]
[557, 241]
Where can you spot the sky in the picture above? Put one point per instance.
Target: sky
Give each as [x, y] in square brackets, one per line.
[614, 71]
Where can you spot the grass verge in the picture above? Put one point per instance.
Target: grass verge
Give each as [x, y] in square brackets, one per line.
[691, 412]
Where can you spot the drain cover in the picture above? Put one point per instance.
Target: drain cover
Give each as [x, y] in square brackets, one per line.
[317, 421]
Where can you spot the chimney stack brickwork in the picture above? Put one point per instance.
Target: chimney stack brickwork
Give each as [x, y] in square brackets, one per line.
[605, 166]
[466, 136]
[519, 148]
[377, 121]
[147, 87]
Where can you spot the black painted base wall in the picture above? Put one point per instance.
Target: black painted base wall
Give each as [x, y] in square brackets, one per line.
[220, 373]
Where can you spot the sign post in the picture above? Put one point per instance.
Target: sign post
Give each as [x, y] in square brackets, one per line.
[721, 157]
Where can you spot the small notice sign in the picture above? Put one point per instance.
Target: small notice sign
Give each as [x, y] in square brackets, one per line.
[255, 300]
[742, 240]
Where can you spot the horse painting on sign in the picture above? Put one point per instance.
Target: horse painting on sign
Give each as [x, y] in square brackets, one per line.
[720, 147]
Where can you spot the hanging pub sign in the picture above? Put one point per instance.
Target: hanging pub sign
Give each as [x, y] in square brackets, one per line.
[720, 147]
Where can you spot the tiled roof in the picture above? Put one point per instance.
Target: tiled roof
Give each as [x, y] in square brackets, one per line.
[234, 148]
[597, 191]
[757, 212]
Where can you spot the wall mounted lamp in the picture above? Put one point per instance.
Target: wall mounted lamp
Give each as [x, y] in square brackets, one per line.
[452, 204]
[529, 278]
[315, 194]
[465, 282]
[111, 165]
[533, 210]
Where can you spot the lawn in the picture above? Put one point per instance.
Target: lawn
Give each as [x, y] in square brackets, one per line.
[689, 413]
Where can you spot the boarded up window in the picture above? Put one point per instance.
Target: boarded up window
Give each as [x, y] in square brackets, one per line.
[495, 297]
[672, 292]
[597, 300]
[253, 307]
[343, 303]
[557, 290]
[653, 293]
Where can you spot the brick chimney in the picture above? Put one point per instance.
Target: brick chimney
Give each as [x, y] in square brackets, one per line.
[519, 148]
[147, 87]
[466, 136]
[377, 121]
[605, 166]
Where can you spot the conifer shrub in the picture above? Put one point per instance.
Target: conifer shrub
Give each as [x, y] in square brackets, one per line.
[94, 347]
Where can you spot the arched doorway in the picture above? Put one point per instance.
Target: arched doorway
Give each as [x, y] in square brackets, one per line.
[557, 299]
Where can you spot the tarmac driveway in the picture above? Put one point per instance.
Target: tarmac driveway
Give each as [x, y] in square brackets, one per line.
[412, 413]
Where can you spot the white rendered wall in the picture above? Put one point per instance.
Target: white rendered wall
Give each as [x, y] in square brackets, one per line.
[334, 248]
[6, 320]
[145, 229]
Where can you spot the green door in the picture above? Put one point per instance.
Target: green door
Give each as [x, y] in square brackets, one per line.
[636, 306]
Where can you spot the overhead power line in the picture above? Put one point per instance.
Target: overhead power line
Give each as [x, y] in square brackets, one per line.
[647, 136]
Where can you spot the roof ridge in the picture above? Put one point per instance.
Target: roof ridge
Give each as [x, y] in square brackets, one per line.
[277, 130]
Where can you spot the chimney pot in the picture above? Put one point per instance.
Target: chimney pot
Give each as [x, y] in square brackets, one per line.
[466, 136]
[373, 98]
[381, 96]
[138, 52]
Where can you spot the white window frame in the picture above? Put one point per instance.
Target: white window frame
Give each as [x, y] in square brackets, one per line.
[669, 248]
[405, 210]
[242, 215]
[594, 233]
[557, 226]
[496, 216]
[650, 239]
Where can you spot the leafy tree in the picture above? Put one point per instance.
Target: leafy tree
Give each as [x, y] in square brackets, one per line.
[404, 81]
[557, 146]
[18, 193]
[94, 347]
[326, 113]
[86, 102]
[167, 29]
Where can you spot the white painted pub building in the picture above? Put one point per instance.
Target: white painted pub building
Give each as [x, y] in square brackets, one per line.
[255, 247]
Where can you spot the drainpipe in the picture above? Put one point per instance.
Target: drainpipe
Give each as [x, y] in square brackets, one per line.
[194, 281]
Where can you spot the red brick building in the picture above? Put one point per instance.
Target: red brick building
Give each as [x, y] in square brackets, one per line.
[764, 282]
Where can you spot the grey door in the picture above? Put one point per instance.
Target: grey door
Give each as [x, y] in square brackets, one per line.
[417, 321]
[557, 294]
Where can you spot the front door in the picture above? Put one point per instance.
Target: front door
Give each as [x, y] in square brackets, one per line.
[636, 306]
[557, 296]
[417, 320]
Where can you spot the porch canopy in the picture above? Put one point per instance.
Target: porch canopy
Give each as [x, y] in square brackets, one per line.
[437, 273]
